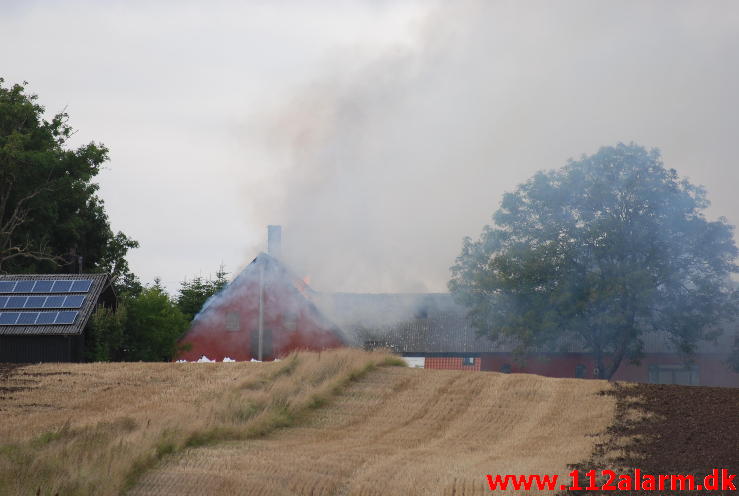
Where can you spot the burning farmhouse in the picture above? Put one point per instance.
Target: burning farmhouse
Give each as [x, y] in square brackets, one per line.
[264, 313]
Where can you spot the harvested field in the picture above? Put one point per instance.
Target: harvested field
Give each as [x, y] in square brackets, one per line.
[406, 432]
[339, 423]
[93, 429]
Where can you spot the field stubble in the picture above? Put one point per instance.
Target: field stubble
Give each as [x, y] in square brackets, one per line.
[406, 432]
[94, 429]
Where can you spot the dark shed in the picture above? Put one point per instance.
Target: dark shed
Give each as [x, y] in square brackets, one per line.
[43, 317]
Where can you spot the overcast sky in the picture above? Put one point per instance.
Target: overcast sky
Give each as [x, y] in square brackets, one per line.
[379, 133]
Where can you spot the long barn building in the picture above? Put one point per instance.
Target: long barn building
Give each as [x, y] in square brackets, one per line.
[432, 331]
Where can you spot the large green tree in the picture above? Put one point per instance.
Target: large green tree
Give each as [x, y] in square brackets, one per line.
[599, 253]
[50, 214]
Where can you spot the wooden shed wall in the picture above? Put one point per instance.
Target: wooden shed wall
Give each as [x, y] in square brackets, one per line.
[34, 349]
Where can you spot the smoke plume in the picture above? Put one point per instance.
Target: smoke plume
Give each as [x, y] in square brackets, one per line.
[388, 158]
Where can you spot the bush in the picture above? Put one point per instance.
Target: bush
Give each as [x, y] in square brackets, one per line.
[105, 334]
[153, 325]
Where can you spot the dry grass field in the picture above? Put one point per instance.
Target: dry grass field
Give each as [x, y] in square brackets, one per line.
[406, 432]
[356, 427]
[94, 429]
[339, 423]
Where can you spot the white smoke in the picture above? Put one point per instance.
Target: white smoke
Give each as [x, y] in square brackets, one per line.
[387, 160]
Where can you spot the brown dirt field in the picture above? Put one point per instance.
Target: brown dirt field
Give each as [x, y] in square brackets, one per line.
[406, 432]
[667, 429]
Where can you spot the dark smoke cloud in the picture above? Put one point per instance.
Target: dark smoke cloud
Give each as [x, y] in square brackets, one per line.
[387, 160]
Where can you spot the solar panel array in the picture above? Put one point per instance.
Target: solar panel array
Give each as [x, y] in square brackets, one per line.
[16, 297]
[46, 286]
[37, 318]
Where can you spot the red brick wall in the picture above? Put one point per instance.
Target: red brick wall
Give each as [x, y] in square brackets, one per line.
[549, 365]
[712, 369]
[450, 363]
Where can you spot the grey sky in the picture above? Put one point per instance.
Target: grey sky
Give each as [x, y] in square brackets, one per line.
[378, 133]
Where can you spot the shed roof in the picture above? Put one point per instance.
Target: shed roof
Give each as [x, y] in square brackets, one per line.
[41, 299]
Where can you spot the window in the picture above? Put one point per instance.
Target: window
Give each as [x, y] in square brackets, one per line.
[232, 321]
[580, 371]
[468, 361]
[506, 368]
[674, 374]
[290, 322]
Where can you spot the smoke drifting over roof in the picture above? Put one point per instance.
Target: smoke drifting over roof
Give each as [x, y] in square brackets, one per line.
[387, 160]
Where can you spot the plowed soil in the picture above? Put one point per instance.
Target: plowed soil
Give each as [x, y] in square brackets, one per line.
[667, 429]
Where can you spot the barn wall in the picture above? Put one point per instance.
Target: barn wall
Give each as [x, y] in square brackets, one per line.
[451, 363]
[564, 365]
[34, 349]
[708, 369]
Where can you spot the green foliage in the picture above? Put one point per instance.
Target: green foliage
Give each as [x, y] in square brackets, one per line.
[599, 252]
[153, 325]
[104, 336]
[193, 294]
[49, 211]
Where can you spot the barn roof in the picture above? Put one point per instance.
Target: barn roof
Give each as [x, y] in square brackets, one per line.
[49, 304]
[279, 278]
[435, 323]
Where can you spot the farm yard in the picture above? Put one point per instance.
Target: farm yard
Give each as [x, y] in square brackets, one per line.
[338, 422]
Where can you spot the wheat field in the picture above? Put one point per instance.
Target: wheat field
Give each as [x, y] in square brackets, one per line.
[406, 432]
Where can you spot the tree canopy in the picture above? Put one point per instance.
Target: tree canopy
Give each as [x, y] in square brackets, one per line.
[50, 214]
[194, 293]
[599, 253]
[153, 325]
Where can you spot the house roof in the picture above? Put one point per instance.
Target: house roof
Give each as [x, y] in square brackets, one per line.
[280, 280]
[435, 323]
[45, 304]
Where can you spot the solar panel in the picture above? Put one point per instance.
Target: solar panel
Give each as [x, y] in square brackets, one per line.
[61, 299]
[73, 301]
[61, 286]
[8, 318]
[27, 318]
[66, 317]
[38, 318]
[81, 286]
[46, 318]
[23, 286]
[16, 301]
[54, 302]
[35, 302]
[43, 286]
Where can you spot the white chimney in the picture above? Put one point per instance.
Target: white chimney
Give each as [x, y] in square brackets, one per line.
[274, 241]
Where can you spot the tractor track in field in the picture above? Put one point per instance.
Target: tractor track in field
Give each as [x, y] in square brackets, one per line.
[405, 432]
